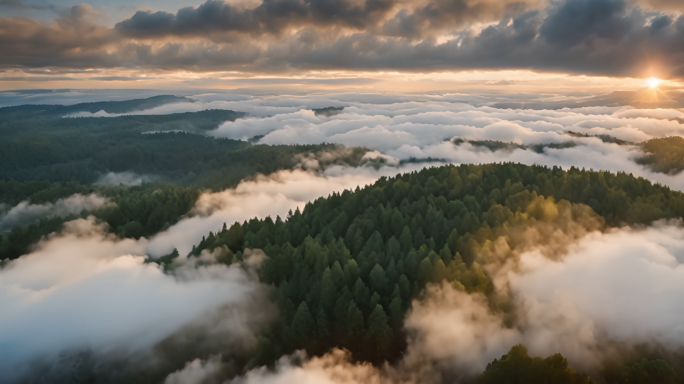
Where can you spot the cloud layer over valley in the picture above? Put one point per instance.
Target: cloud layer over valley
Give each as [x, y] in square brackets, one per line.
[406, 127]
[558, 309]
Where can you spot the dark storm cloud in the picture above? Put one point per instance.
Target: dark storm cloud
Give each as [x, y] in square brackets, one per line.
[73, 40]
[271, 17]
[576, 21]
[397, 18]
[608, 37]
[579, 36]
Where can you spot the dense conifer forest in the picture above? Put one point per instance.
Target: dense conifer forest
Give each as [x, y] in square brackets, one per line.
[345, 269]
[665, 155]
[46, 156]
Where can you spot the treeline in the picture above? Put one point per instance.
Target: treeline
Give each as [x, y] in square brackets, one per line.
[83, 149]
[496, 145]
[665, 155]
[345, 269]
[136, 212]
[114, 107]
[46, 157]
[518, 367]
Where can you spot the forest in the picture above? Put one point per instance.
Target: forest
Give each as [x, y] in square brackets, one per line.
[665, 155]
[46, 157]
[345, 269]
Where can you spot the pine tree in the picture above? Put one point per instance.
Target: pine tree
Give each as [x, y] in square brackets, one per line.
[396, 310]
[393, 248]
[378, 337]
[406, 240]
[405, 288]
[351, 272]
[302, 330]
[378, 279]
[328, 291]
[322, 327]
[424, 271]
[361, 293]
[354, 325]
[337, 275]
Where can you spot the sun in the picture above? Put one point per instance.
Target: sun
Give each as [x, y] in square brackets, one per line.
[653, 82]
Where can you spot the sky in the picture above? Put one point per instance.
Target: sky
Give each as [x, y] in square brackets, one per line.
[412, 76]
[347, 43]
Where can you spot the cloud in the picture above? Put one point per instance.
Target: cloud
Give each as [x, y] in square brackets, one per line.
[262, 196]
[581, 303]
[606, 37]
[25, 212]
[125, 178]
[611, 292]
[84, 290]
[403, 126]
[620, 271]
[18, 4]
[73, 37]
[470, 337]
[195, 372]
[422, 129]
[333, 368]
[275, 17]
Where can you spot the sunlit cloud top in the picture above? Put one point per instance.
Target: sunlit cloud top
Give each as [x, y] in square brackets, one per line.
[614, 38]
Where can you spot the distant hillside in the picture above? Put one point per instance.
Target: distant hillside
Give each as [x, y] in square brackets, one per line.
[115, 107]
[665, 155]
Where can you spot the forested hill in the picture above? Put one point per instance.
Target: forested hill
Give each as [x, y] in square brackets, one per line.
[46, 157]
[665, 155]
[114, 107]
[344, 270]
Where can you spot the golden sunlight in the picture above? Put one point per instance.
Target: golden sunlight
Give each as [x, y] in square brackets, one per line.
[653, 82]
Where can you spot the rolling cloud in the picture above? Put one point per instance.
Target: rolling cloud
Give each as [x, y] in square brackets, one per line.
[84, 290]
[609, 37]
[557, 310]
[25, 212]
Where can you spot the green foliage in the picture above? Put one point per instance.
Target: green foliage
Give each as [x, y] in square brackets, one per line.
[664, 155]
[124, 106]
[18, 241]
[39, 192]
[495, 145]
[327, 111]
[46, 157]
[649, 372]
[517, 367]
[351, 252]
[136, 212]
[603, 137]
[173, 148]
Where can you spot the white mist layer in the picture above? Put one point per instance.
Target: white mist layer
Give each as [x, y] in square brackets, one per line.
[272, 195]
[125, 178]
[196, 372]
[419, 126]
[423, 129]
[333, 368]
[627, 284]
[619, 289]
[24, 212]
[84, 290]
[611, 292]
